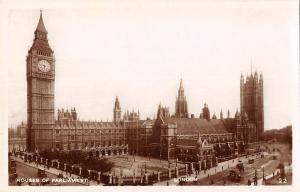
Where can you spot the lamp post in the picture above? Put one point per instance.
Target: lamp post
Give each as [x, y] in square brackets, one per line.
[198, 164]
[133, 156]
[168, 154]
[263, 170]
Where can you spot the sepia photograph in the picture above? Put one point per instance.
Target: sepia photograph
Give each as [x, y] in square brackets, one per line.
[142, 93]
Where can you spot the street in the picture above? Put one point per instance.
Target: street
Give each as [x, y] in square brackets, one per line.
[25, 171]
[265, 165]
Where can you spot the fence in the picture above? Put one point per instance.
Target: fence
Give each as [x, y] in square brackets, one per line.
[143, 179]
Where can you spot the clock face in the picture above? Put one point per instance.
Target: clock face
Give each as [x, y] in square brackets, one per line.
[44, 66]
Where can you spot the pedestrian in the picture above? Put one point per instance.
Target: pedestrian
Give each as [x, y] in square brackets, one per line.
[222, 168]
[224, 182]
[249, 182]
[211, 182]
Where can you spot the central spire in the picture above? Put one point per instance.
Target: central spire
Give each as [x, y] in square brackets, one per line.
[181, 91]
[181, 103]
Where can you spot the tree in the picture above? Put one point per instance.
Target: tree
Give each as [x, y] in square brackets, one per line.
[77, 156]
[49, 154]
[217, 150]
[63, 156]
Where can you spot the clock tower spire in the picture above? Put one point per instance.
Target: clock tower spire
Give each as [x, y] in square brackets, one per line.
[40, 73]
[41, 27]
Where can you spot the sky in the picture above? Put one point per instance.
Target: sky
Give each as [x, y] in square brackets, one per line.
[140, 52]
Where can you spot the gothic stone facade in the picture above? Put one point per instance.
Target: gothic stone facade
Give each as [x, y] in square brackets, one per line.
[188, 138]
[105, 138]
[252, 101]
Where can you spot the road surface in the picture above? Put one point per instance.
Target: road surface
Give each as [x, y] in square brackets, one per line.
[25, 171]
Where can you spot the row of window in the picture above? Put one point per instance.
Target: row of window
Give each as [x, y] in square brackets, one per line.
[89, 131]
[79, 137]
[43, 53]
[103, 143]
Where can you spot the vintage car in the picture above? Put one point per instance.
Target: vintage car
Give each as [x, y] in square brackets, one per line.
[41, 173]
[240, 166]
[12, 163]
[60, 175]
[12, 170]
[234, 176]
[13, 176]
[274, 157]
[250, 161]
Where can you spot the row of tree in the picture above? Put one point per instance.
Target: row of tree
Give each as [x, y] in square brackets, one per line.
[81, 158]
[225, 150]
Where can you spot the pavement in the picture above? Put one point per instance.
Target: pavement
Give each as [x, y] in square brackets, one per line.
[53, 171]
[24, 171]
[269, 165]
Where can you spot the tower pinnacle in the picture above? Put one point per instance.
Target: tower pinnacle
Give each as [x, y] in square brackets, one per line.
[117, 111]
[41, 27]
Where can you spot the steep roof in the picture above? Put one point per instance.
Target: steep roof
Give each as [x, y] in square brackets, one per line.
[195, 125]
[41, 27]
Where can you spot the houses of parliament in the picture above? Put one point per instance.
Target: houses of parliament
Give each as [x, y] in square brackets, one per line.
[181, 135]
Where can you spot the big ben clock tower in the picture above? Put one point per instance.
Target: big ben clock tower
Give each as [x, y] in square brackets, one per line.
[40, 91]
